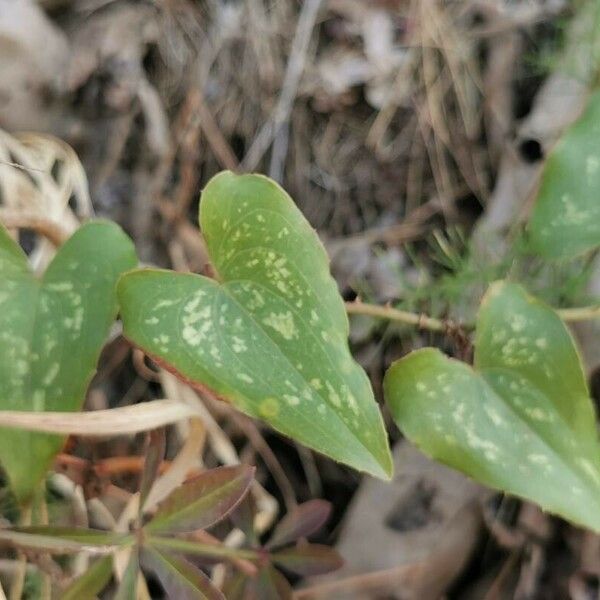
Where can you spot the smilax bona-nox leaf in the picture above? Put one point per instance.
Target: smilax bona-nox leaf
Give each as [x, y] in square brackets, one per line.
[269, 333]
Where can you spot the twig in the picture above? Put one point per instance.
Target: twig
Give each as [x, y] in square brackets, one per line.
[51, 230]
[393, 314]
[584, 313]
[272, 129]
[219, 145]
[423, 321]
[271, 461]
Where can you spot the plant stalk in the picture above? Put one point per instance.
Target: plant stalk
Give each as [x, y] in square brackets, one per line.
[423, 321]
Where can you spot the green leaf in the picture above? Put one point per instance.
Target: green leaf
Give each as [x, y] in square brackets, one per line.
[268, 584]
[51, 333]
[271, 336]
[272, 585]
[566, 217]
[307, 518]
[208, 551]
[180, 578]
[521, 421]
[63, 540]
[127, 589]
[154, 456]
[308, 559]
[237, 587]
[201, 502]
[92, 582]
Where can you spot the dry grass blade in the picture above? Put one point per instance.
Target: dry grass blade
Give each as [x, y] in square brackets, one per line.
[100, 423]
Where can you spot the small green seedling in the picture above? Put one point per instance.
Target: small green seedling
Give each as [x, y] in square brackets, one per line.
[160, 542]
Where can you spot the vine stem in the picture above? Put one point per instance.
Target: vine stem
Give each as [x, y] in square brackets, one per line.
[584, 313]
[401, 316]
[423, 321]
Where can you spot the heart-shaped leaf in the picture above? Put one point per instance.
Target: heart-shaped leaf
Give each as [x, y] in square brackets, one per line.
[51, 333]
[271, 335]
[566, 217]
[521, 421]
[203, 501]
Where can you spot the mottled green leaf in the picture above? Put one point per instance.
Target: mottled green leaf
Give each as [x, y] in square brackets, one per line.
[201, 502]
[308, 559]
[521, 420]
[304, 520]
[92, 582]
[63, 540]
[180, 578]
[270, 335]
[51, 333]
[566, 217]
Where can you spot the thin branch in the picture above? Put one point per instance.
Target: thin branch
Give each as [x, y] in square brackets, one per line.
[273, 127]
[401, 316]
[51, 230]
[422, 321]
[584, 313]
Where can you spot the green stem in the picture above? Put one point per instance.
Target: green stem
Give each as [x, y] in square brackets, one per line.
[423, 321]
[192, 547]
[401, 316]
[584, 313]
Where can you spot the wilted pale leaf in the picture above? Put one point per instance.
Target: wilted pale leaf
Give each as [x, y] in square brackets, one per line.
[521, 421]
[51, 333]
[271, 335]
[566, 216]
[201, 502]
